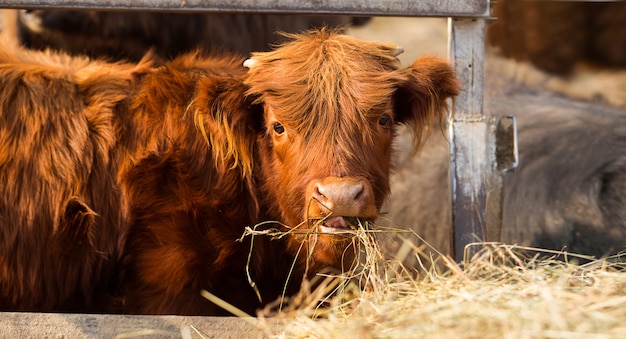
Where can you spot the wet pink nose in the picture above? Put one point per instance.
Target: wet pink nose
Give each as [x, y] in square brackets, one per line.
[345, 196]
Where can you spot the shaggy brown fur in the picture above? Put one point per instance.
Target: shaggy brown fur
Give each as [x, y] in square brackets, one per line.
[61, 214]
[186, 155]
[318, 112]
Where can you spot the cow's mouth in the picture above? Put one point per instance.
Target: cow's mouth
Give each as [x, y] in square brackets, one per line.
[338, 224]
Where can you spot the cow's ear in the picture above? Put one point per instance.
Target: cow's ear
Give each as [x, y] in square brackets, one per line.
[78, 228]
[421, 99]
[229, 120]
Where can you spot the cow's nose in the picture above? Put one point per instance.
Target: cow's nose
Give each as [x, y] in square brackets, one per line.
[344, 196]
[338, 193]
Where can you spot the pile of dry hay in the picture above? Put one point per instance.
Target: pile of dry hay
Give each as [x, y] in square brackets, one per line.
[501, 291]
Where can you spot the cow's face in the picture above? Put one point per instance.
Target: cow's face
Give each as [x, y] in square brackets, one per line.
[331, 104]
[326, 175]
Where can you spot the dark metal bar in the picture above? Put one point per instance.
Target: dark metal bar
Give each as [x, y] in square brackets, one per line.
[433, 8]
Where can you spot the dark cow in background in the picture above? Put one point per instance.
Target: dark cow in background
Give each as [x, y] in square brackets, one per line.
[568, 192]
[556, 35]
[165, 165]
[569, 189]
[62, 214]
[303, 140]
[128, 35]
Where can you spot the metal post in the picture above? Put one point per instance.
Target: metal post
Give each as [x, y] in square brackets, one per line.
[471, 160]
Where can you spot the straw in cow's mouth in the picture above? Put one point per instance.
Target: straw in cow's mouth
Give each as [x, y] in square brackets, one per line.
[338, 224]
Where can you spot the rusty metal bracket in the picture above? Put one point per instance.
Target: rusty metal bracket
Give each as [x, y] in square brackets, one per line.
[505, 158]
[506, 143]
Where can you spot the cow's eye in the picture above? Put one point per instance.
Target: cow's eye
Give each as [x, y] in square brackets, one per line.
[384, 120]
[279, 128]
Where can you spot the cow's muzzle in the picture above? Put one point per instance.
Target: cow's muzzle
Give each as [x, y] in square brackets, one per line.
[337, 201]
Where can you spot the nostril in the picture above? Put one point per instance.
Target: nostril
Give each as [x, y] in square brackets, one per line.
[324, 196]
[318, 192]
[354, 191]
[360, 192]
